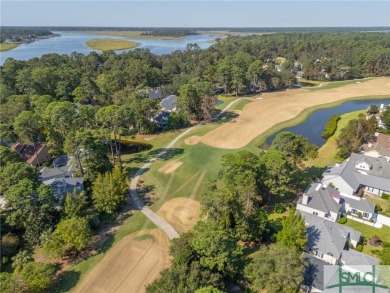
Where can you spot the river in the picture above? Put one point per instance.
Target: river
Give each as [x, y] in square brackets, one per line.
[314, 125]
[68, 43]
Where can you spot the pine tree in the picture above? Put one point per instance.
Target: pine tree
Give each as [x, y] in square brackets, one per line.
[293, 233]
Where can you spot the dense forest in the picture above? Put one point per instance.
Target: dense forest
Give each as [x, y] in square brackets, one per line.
[83, 105]
[20, 34]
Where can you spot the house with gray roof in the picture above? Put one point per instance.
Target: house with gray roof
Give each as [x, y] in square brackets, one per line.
[326, 202]
[169, 103]
[358, 174]
[314, 274]
[154, 94]
[62, 186]
[47, 173]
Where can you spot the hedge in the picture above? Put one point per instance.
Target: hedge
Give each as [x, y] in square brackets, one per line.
[330, 127]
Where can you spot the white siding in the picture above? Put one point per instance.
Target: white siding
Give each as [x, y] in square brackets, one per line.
[311, 211]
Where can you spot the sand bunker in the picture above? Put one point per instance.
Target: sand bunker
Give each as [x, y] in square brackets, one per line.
[192, 140]
[181, 213]
[274, 108]
[130, 265]
[170, 167]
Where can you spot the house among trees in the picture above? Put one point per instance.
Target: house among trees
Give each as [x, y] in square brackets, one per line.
[33, 155]
[154, 94]
[379, 147]
[169, 103]
[62, 186]
[358, 174]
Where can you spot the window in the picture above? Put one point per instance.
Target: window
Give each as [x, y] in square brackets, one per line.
[366, 215]
[315, 213]
[353, 211]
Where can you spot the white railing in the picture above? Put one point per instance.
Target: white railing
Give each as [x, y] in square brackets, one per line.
[376, 224]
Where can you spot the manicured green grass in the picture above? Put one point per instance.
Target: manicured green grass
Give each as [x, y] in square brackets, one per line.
[241, 104]
[129, 34]
[74, 274]
[111, 44]
[8, 46]
[368, 231]
[226, 101]
[384, 204]
[336, 84]
[327, 154]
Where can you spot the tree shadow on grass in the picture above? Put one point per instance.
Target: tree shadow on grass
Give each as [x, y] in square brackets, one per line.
[67, 281]
[310, 175]
[165, 155]
[225, 117]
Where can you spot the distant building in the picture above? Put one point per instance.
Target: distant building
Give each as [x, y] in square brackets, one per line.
[169, 103]
[155, 94]
[62, 186]
[379, 147]
[33, 155]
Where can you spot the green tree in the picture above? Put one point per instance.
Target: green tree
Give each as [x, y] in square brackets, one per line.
[7, 156]
[296, 148]
[386, 118]
[38, 276]
[275, 268]
[11, 283]
[255, 71]
[293, 233]
[109, 191]
[208, 289]
[21, 259]
[9, 244]
[7, 136]
[75, 205]
[12, 173]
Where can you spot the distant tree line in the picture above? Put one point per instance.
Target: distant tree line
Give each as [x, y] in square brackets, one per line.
[20, 34]
[169, 32]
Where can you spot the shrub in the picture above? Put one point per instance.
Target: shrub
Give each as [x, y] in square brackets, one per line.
[342, 220]
[359, 214]
[349, 213]
[9, 244]
[385, 196]
[385, 244]
[359, 248]
[279, 208]
[374, 241]
[378, 208]
[330, 127]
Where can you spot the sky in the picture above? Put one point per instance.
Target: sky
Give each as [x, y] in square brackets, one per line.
[334, 13]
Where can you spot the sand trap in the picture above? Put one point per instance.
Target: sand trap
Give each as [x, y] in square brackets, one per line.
[181, 213]
[170, 167]
[130, 265]
[277, 107]
[192, 140]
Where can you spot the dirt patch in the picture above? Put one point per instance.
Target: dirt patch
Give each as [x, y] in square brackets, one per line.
[181, 213]
[131, 264]
[192, 140]
[170, 167]
[274, 108]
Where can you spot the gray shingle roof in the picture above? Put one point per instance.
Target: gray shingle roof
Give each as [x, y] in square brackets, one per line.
[61, 186]
[314, 273]
[320, 198]
[353, 257]
[154, 94]
[378, 176]
[362, 204]
[169, 103]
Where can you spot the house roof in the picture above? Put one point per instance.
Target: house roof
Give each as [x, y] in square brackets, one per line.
[154, 94]
[314, 273]
[353, 257]
[327, 236]
[61, 186]
[360, 204]
[161, 117]
[28, 151]
[381, 145]
[322, 198]
[169, 103]
[61, 161]
[378, 176]
[53, 172]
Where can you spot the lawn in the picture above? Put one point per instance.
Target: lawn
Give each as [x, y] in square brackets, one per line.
[111, 44]
[384, 204]
[74, 274]
[336, 84]
[226, 101]
[8, 46]
[241, 104]
[129, 34]
[327, 154]
[368, 231]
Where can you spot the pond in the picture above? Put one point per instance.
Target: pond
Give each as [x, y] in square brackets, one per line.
[68, 43]
[314, 125]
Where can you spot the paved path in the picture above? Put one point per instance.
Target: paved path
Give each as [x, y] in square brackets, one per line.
[156, 219]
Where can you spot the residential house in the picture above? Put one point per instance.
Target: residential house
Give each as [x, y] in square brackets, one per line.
[161, 119]
[327, 240]
[359, 174]
[326, 202]
[169, 103]
[379, 147]
[33, 155]
[47, 173]
[321, 201]
[314, 274]
[155, 94]
[62, 186]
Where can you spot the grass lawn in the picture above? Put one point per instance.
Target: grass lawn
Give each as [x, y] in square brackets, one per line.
[111, 44]
[241, 104]
[368, 231]
[129, 34]
[384, 204]
[226, 101]
[336, 84]
[327, 154]
[8, 46]
[74, 274]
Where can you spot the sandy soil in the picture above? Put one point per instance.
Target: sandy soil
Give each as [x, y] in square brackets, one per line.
[181, 213]
[274, 108]
[131, 264]
[170, 167]
[192, 140]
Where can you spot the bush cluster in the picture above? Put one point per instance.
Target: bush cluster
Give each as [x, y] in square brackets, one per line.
[330, 127]
[385, 196]
[342, 220]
